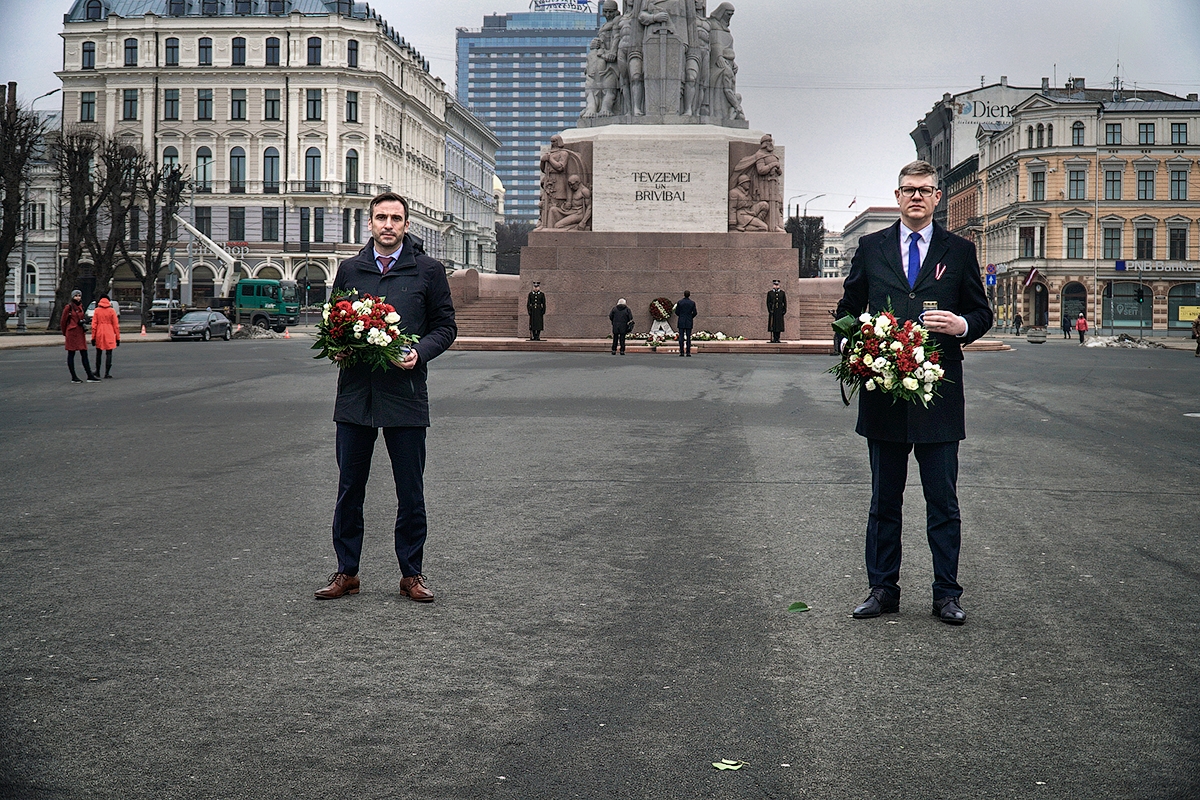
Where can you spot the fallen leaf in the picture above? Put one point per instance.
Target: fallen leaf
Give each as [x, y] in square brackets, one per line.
[726, 763]
[798, 606]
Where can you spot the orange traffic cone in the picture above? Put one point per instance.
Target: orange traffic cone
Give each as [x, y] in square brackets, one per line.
[143, 330]
[239, 327]
[287, 334]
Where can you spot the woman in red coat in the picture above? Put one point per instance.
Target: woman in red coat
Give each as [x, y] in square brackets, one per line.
[1081, 327]
[76, 335]
[106, 334]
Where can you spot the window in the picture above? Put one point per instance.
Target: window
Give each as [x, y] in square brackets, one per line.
[1027, 242]
[237, 224]
[208, 6]
[274, 6]
[358, 225]
[1049, 136]
[1179, 184]
[1029, 133]
[204, 104]
[1074, 242]
[129, 104]
[271, 171]
[270, 224]
[93, 9]
[305, 215]
[204, 170]
[1145, 184]
[171, 104]
[1112, 184]
[1041, 136]
[237, 103]
[237, 174]
[1177, 244]
[271, 104]
[1112, 133]
[176, 8]
[239, 51]
[131, 52]
[1077, 185]
[30, 279]
[1145, 243]
[1037, 187]
[314, 104]
[352, 53]
[1145, 133]
[1077, 134]
[318, 225]
[272, 52]
[312, 170]
[314, 51]
[351, 106]
[1112, 243]
[206, 52]
[88, 59]
[170, 157]
[352, 172]
[204, 220]
[1178, 133]
[241, 7]
[345, 225]
[171, 52]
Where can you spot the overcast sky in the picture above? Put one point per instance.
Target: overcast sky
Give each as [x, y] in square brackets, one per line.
[839, 83]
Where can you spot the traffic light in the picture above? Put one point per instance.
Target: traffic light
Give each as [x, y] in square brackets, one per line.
[1141, 295]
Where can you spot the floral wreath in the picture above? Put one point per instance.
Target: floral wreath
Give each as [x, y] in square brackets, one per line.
[660, 308]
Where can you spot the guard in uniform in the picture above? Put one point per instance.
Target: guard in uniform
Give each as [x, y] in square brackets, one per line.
[776, 309]
[535, 304]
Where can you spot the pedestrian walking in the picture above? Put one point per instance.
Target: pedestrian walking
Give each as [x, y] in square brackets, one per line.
[776, 310]
[73, 325]
[106, 334]
[915, 265]
[1196, 334]
[392, 265]
[1066, 325]
[622, 325]
[1017, 321]
[535, 304]
[685, 310]
[1081, 326]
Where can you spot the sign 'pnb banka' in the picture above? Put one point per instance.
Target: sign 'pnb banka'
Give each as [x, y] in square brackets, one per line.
[1157, 266]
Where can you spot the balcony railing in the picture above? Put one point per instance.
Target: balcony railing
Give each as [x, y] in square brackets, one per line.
[353, 188]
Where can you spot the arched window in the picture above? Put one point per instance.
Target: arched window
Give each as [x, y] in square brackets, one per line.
[131, 59]
[272, 52]
[88, 59]
[1030, 132]
[352, 53]
[30, 280]
[94, 9]
[171, 52]
[352, 172]
[205, 52]
[239, 51]
[314, 51]
[271, 171]
[1077, 134]
[170, 157]
[312, 170]
[204, 170]
[1049, 136]
[1041, 135]
[237, 170]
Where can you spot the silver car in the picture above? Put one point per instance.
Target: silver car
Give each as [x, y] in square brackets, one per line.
[202, 325]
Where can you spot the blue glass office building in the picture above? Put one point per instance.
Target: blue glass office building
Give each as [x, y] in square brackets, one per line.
[522, 75]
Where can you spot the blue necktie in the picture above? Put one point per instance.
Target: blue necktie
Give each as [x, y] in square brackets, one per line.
[914, 259]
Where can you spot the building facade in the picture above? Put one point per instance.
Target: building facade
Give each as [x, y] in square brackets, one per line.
[472, 202]
[874, 218]
[37, 242]
[523, 75]
[289, 115]
[1087, 204]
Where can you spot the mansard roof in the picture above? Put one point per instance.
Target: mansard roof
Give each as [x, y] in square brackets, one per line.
[208, 8]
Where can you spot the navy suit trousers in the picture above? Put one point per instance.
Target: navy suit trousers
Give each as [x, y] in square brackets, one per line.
[406, 448]
[938, 462]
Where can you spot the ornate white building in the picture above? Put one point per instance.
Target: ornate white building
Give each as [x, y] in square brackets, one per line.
[289, 115]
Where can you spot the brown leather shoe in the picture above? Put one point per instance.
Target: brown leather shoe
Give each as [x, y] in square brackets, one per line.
[414, 588]
[339, 584]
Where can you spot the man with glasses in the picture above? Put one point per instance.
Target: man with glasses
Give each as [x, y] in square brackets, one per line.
[921, 272]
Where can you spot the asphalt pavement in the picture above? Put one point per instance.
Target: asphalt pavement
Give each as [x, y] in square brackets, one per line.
[614, 543]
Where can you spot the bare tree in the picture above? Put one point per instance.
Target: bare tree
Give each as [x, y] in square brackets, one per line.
[160, 191]
[21, 135]
[121, 169]
[85, 190]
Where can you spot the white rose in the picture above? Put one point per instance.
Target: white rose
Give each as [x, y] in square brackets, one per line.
[357, 305]
[325, 314]
[358, 334]
[927, 397]
[928, 387]
[910, 383]
[359, 326]
[864, 317]
[870, 384]
[884, 323]
[919, 373]
[888, 383]
[868, 359]
[897, 346]
[919, 354]
[392, 318]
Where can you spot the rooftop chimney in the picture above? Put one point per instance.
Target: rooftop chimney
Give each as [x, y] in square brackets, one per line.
[1078, 84]
[1192, 97]
[1004, 80]
[1045, 84]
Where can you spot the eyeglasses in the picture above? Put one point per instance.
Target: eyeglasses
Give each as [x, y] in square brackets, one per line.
[924, 191]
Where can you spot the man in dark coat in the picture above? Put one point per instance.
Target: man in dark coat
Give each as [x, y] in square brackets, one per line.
[776, 309]
[392, 266]
[535, 304]
[685, 310]
[622, 320]
[922, 272]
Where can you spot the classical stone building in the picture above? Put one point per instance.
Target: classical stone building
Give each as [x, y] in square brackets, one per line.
[873, 218]
[1085, 202]
[289, 115]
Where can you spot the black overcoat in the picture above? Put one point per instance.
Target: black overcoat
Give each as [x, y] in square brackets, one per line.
[950, 277]
[776, 310]
[535, 304]
[620, 317]
[685, 309]
[416, 286]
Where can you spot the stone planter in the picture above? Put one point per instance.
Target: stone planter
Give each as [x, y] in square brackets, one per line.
[1035, 335]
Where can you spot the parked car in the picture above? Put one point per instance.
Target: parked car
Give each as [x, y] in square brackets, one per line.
[202, 325]
[91, 309]
[164, 312]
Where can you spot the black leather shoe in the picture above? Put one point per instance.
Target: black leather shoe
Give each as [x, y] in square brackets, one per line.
[949, 611]
[877, 603]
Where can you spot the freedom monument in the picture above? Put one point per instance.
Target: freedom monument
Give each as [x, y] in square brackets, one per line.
[662, 186]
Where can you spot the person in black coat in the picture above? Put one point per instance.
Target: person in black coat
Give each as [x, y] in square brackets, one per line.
[922, 272]
[535, 304]
[685, 310]
[393, 266]
[622, 323]
[776, 310]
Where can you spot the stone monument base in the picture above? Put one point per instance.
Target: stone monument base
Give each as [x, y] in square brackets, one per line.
[584, 273]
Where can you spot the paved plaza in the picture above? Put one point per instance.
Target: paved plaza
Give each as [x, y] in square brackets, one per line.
[614, 543]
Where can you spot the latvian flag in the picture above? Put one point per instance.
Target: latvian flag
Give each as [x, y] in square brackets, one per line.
[1033, 273]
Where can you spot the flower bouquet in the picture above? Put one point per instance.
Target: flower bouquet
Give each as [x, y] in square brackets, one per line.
[661, 308]
[363, 328]
[883, 354]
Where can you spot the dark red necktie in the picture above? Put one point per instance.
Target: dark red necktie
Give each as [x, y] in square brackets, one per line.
[386, 263]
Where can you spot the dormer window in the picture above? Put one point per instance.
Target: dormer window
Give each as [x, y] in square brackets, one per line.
[176, 8]
[94, 9]
[275, 6]
[209, 7]
[242, 7]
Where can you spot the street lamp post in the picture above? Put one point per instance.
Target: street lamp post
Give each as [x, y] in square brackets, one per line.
[804, 227]
[789, 203]
[25, 230]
